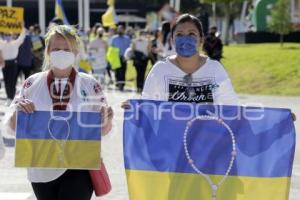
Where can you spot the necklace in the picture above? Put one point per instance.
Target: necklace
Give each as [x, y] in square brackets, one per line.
[188, 78]
[214, 187]
[61, 142]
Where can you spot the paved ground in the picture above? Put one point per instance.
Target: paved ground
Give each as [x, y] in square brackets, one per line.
[14, 185]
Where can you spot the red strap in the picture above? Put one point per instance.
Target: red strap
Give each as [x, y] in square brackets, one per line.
[58, 103]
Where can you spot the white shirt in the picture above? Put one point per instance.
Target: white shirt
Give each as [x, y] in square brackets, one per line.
[86, 96]
[142, 45]
[97, 48]
[210, 84]
[10, 49]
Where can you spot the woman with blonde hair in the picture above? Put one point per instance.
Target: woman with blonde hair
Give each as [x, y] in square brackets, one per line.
[60, 87]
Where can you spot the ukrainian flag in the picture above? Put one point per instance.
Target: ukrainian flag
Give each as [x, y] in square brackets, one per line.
[85, 66]
[110, 2]
[58, 139]
[156, 160]
[110, 18]
[60, 12]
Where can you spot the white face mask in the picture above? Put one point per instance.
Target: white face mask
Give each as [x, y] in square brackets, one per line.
[62, 59]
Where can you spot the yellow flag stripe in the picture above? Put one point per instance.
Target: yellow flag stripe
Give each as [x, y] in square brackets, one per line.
[149, 185]
[108, 18]
[77, 154]
[110, 2]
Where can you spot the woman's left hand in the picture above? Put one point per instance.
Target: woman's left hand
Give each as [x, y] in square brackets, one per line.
[107, 116]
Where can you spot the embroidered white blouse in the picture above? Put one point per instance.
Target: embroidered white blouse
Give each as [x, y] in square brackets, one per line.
[86, 96]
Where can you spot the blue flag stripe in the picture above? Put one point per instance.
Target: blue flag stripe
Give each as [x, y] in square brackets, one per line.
[83, 125]
[265, 147]
[61, 7]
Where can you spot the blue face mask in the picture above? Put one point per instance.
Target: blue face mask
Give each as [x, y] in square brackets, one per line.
[186, 46]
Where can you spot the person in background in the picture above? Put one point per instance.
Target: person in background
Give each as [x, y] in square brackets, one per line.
[38, 47]
[130, 32]
[111, 33]
[165, 46]
[93, 32]
[141, 48]
[122, 42]
[213, 45]
[10, 49]
[84, 37]
[97, 49]
[153, 45]
[25, 57]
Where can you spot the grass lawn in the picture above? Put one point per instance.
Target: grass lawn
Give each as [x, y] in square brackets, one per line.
[263, 69]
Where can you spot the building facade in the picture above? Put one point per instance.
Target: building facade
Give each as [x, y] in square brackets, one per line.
[97, 8]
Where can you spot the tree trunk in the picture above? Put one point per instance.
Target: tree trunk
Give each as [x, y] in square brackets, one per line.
[281, 40]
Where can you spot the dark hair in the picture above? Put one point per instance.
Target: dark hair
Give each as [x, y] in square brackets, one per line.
[188, 18]
[165, 31]
[36, 27]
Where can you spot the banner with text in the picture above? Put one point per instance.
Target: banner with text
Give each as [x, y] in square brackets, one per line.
[11, 19]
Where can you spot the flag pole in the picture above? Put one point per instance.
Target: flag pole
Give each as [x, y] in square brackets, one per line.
[42, 20]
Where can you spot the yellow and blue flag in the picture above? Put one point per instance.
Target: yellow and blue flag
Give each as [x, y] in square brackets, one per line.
[58, 139]
[60, 12]
[156, 145]
[110, 2]
[85, 66]
[113, 57]
[110, 18]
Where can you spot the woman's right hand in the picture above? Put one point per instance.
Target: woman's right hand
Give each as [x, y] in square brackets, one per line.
[25, 105]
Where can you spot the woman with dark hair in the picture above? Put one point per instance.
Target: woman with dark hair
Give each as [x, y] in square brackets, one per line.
[165, 31]
[165, 47]
[189, 76]
[141, 48]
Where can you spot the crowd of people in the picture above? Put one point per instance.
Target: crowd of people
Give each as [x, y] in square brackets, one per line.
[23, 53]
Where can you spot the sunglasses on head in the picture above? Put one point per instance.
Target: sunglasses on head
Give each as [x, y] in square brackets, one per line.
[188, 79]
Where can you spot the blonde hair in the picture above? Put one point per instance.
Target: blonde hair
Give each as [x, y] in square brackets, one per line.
[68, 33]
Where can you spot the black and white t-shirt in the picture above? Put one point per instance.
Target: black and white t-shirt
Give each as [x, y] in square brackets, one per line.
[209, 84]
